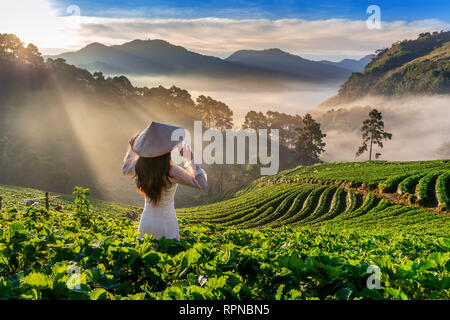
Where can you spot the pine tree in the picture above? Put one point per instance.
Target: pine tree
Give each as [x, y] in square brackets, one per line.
[373, 133]
[309, 144]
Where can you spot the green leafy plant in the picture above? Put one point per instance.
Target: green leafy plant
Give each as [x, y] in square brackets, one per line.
[83, 205]
[227, 250]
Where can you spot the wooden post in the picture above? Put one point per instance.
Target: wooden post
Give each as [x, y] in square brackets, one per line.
[1, 198]
[46, 201]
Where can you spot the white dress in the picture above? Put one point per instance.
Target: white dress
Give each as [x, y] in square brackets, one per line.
[161, 220]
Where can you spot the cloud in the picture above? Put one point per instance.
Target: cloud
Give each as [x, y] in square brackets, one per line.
[318, 39]
[35, 21]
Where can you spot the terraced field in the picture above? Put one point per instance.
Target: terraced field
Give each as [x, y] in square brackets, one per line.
[307, 233]
[375, 196]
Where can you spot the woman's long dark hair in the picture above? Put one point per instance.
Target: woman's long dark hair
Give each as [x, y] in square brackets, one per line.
[152, 176]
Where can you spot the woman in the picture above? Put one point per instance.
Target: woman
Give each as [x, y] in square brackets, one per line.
[148, 160]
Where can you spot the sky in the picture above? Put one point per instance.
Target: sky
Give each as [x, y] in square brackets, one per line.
[316, 30]
[409, 10]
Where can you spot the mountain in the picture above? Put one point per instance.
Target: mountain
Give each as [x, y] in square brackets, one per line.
[142, 57]
[409, 68]
[277, 60]
[352, 64]
[159, 57]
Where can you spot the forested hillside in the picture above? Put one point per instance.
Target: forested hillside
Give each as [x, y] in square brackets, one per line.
[63, 126]
[409, 67]
[57, 118]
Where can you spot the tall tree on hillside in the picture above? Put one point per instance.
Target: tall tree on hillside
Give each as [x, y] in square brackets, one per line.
[286, 124]
[10, 47]
[309, 144]
[255, 120]
[13, 50]
[174, 102]
[373, 133]
[215, 114]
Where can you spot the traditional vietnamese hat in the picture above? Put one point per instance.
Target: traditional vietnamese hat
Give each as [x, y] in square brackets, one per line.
[157, 139]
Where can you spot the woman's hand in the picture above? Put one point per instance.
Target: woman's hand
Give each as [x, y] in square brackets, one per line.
[131, 142]
[186, 153]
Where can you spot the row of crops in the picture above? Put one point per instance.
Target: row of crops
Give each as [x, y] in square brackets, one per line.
[426, 189]
[369, 173]
[317, 206]
[426, 184]
[369, 196]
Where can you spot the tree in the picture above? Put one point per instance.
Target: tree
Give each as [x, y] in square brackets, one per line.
[309, 144]
[215, 114]
[99, 76]
[31, 55]
[255, 120]
[122, 85]
[10, 47]
[175, 101]
[13, 50]
[373, 133]
[286, 124]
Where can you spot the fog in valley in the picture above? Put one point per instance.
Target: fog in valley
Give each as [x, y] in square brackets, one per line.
[243, 95]
[420, 128]
[420, 125]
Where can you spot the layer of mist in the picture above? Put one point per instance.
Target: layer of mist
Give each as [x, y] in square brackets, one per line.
[420, 128]
[420, 125]
[243, 96]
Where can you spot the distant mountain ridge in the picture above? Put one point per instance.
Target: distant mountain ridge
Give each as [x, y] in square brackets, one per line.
[159, 57]
[408, 68]
[280, 61]
[352, 64]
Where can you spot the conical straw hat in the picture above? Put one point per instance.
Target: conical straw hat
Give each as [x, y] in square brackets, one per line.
[158, 139]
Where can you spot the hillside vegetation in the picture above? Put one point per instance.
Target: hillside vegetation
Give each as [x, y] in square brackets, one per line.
[409, 67]
[330, 225]
[85, 110]
[16, 197]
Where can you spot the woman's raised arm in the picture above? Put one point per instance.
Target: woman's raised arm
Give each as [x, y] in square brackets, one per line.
[129, 162]
[193, 176]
